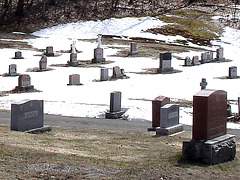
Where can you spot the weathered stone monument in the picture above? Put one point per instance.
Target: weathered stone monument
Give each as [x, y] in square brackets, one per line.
[117, 72]
[74, 79]
[232, 72]
[12, 70]
[169, 120]
[18, 55]
[43, 63]
[98, 52]
[115, 106]
[195, 61]
[203, 83]
[104, 74]
[204, 57]
[219, 55]
[165, 62]
[210, 144]
[24, 83]
[187, 61]
[27, 116]
[73, 60]
[49, 51]
[133, 49]
[157, 103]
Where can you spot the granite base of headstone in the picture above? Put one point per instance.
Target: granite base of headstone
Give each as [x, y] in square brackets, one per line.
[27, 116]
[98, 56]
[169, 120]
[18, 55]
[210, 143]
[116, 111]
[214, 151]
[133, 49]
[157, 103]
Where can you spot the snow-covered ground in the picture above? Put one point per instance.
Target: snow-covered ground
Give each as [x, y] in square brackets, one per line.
[93, 98]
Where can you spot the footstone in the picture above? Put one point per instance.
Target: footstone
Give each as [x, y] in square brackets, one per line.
[210, 152]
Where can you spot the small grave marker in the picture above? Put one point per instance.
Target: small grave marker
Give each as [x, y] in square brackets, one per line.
[117, 73]
[187, 61]
[203, 83]
[49, 51]
[24, 83]
[133, 48]
[195, 60]
[12, 70]
[232, 72]
[74, 79]
[165, 62]
[43, 63]
[219, 55]
[18, 55]
[104, 74]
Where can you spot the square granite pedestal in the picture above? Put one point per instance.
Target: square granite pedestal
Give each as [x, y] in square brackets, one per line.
[210, 152]
[169, 130]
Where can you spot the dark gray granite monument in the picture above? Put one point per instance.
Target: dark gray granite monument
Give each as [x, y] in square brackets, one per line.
[169, 120]
[73, 60]
[49, 51]
[232, 72]
[210, 143]
[165, 62]
[27, 116]
[115, 106]
[18, 55]
[133, 49]
[12, 70]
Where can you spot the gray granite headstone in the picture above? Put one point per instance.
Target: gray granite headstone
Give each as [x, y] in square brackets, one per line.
[98, 55]
[43, 63]
[195, 60]
[133, 48]
[12, 70]
[204, 57]
[104, 74]
[187, 61]
[169, 115]
[18, 55]
[73, 57]
[210, 56]
[24, 83]
[232, 72]
[115, 101]
[49, 51]
[165, 62]
[27, 115]
[117, 73]
[219, 55]
[74, 79]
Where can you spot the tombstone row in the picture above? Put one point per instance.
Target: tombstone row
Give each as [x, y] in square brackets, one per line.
[206, 57]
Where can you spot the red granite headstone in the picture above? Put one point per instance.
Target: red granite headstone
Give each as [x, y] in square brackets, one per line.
[156, 104]
[209, 114]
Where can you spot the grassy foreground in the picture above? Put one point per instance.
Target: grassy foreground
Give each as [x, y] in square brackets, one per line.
[77, 153]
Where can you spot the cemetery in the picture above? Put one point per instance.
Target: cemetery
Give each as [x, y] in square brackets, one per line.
[148, 117]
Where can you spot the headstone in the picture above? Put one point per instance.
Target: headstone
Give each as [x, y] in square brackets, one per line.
[187, 61]
[98, 56]
[169, 120]
[12, 70]
[133, 48]
[210, 144]
[204, 57]
[203, 84]
[238, 106]
[115, 106]
[24, 83]
[74, 79]
[219, 55]
[210, 56]
[117, 73]
[43, 63]
[27, 115]
[104, 74]
[165, 62]
[232, 72]
[157, 103]
[195, 60]
[49, 51]
[18, 55]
